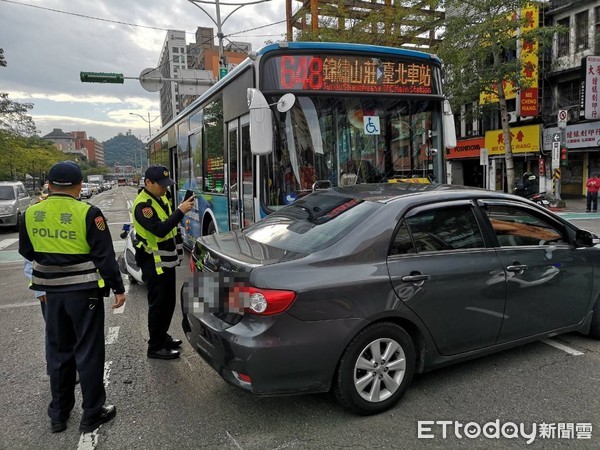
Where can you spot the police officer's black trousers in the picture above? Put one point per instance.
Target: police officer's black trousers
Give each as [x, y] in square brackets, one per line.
[75, 341]
[161, 305]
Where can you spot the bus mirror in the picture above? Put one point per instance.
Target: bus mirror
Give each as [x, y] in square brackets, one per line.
[448, 126]
[261, 123]
[286, 102]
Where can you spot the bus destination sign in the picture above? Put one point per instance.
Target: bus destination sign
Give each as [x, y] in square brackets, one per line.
[348, 73]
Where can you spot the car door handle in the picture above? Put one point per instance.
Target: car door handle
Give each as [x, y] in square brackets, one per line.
[415, 278]
[517, 268]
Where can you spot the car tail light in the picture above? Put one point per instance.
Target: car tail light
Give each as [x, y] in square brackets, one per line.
[243, 377]
[266, 302]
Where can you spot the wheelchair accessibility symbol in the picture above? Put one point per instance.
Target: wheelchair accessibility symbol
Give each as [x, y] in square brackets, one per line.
[371, 125]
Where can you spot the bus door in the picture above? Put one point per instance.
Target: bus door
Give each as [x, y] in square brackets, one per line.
[233, 175]
[240, 172]
[248, 171]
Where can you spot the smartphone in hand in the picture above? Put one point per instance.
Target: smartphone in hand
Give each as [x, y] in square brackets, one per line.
[188, 194]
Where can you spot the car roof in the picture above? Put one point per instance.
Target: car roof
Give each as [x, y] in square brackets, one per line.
[388, 192]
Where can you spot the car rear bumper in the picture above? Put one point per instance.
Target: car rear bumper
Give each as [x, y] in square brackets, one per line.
[8, 220]
[260, 348]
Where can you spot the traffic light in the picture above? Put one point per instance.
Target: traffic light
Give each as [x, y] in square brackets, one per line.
[99, 77]
[564, 156]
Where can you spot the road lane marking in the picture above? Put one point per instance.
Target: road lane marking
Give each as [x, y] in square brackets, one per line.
[7, 243]
[564, 348]
[233, 439]
[88, 441]
[120, 309]
[19, 305]
[112, 335]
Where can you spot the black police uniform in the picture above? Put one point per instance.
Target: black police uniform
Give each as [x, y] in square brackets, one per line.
[74, 308]
[162, 294]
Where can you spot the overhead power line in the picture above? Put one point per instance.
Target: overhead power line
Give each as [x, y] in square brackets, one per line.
[119, 22]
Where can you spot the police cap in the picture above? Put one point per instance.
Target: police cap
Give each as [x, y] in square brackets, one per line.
[160, 175]
[65, 173]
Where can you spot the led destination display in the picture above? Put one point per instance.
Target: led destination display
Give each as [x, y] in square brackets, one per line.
[348, 73]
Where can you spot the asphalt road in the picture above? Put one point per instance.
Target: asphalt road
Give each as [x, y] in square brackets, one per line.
[184, 404]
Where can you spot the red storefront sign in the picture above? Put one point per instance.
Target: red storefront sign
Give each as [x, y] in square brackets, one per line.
[466, 148]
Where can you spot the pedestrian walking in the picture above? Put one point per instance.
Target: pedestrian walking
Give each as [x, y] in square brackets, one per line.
[74, 263]
[158, 254]
[592, 185]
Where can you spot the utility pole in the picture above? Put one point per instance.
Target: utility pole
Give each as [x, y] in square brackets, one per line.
[219, 23]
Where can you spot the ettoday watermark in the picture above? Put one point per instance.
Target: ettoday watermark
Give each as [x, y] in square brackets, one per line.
[432, 429]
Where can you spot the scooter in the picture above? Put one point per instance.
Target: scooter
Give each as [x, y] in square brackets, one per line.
[126, 261]
[540, 199]
[525, 189]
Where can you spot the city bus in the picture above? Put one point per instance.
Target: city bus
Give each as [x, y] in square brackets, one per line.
[298, 116]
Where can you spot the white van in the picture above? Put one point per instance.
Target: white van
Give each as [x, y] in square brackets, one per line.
[13, 203]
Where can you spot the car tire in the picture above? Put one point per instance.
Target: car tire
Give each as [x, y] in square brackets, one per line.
[365, 386]
[211, 229]
[17, 226]
[595, 327]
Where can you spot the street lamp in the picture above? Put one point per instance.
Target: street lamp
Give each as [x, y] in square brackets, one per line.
[219, 23]
[146, 120]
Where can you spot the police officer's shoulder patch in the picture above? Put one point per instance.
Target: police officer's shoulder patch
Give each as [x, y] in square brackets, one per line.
[147, 212]
[100, 223]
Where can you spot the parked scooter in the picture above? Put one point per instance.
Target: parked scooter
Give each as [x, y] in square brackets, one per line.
[527, 188]
[126, 261]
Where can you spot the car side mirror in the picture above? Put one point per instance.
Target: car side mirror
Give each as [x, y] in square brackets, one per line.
[584, 238]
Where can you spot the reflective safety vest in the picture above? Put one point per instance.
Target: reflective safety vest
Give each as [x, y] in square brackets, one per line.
[164, 250]
[57, 227]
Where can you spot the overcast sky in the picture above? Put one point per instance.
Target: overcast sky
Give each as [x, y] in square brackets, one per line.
[46, 48]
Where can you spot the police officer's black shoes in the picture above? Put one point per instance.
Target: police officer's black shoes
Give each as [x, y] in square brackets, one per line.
[107, 413]
[164, 353]
[171, 343]
[57, 427]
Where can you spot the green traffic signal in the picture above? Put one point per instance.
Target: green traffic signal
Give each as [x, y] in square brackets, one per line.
[100, 77]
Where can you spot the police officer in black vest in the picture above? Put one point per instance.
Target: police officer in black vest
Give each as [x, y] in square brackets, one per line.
[158, 254]
[74, 262]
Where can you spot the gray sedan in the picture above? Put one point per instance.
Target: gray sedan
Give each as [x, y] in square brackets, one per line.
[355, 289]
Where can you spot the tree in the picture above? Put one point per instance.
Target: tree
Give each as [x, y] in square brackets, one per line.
[20, 156]
[13, 115]
[479, 49]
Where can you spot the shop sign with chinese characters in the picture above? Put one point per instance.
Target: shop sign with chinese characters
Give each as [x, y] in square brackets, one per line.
[592, 87]
[581, 135]
[523, 140]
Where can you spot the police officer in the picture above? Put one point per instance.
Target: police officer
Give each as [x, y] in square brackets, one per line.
[74, 262]
[158, 254]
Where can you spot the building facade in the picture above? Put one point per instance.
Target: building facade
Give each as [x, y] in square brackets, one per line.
[93, 149]
[194, 61]
[478, 160]
[65, 142]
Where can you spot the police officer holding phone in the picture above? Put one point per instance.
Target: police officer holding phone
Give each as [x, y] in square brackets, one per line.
[74, 262]
[158, 254]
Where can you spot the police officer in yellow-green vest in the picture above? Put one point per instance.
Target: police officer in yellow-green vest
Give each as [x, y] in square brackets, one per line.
[74, 262]
[158, 255]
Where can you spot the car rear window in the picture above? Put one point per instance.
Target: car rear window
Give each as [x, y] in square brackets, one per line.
[7, 193]
[311, 223]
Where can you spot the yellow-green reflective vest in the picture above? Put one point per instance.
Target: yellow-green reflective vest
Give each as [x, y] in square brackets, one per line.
[57, 226]
[163, 256]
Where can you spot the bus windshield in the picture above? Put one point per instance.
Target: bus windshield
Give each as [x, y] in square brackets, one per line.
[348, 140]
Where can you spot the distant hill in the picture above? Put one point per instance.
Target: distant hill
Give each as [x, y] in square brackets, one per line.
[124, 149]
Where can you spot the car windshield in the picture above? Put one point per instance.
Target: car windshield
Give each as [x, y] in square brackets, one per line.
[311, 223]
[7, 193]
